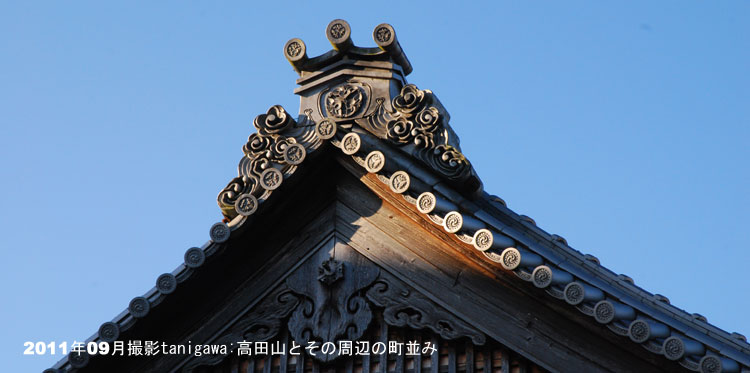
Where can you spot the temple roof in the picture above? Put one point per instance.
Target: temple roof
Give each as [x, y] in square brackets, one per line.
[356, 101]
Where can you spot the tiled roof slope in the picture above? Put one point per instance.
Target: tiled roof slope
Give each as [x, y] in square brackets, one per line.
[357, 99]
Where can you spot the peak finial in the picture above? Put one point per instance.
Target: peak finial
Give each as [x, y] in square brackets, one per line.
[339, 33]
[295, 52]
[385, 37]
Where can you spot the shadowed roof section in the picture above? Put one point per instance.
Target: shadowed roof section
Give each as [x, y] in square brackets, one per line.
[355, 103]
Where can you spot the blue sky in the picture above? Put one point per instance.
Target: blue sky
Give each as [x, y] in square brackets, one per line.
[623, 127]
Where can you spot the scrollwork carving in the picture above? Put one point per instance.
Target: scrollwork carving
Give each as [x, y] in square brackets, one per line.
[333, 308]
[447, 160]
[275, 120]
[400, 130]
[418, 123]
[279, 145]
[415, 121]
[261, 324]
[330, 271]
[340, 305]
[428, 118]
[256, 144]
[344, 100]
[404, 307]
[410, 99]
[228, 196]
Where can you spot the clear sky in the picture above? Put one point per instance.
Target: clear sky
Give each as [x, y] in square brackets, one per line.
[623, 127]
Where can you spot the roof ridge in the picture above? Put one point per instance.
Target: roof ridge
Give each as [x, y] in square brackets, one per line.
[385, 125]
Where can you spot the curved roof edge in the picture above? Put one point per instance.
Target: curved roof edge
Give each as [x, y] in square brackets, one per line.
[408, 143]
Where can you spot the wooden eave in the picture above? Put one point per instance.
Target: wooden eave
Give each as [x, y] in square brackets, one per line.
[452, 268]
[536, 322]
